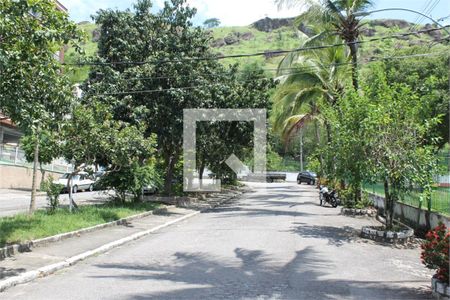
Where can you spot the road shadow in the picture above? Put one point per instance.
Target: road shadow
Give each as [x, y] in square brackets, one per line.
[289, 204]
[252, 274]
[233, 210]
[336, 236]
[8, 272]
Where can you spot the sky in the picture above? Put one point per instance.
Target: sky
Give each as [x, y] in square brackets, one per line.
[245, 12]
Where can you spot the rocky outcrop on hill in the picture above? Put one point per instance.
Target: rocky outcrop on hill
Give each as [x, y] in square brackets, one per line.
[368, 31]
[96, 35]
[389, 23]
[267, 24]
[437, 35]
[268, 54]
[232, 38]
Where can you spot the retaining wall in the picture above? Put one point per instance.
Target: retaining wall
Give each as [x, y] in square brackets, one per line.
[411, 215]
[18, 177]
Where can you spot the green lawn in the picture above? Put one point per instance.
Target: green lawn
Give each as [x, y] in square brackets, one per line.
[23, 227]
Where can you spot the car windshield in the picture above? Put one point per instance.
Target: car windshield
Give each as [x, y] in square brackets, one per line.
[312, 174]
[65, 176]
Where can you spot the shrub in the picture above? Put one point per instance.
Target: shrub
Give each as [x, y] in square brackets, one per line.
[348, 197]
[435, 252]
[130, 180]
[53, 191]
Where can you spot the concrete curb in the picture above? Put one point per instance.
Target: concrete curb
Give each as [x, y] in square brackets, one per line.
[50, 269]
[9, 251]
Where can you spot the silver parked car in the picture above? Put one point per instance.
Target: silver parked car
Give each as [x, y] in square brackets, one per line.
[80, 181]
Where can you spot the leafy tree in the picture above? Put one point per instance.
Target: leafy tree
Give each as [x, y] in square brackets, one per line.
[168, 80]
[397, 136]
[48, 148]
[349, 146]
[429, 79]
[379, 134]
[211, 23]
[216, 141]
[93, 137]
[33, 91]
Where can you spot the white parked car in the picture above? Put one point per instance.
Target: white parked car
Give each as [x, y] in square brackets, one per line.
[149, 189]
[81, 181]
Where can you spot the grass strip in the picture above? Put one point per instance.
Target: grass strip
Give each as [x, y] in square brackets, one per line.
[24, 227]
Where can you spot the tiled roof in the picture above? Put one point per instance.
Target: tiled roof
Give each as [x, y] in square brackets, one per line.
[4, 120]
[60, 6]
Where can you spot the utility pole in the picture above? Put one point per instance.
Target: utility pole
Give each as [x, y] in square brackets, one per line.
[301, 149]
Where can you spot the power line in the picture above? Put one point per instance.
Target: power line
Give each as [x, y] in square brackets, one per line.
[309, 68]
[425, 12]
[276, 52]
[371, 60]
[416, 20]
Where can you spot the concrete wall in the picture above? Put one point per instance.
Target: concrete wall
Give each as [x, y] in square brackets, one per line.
[411, 215]
[18, 177]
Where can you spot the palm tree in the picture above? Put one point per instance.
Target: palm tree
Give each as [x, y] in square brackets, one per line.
[313, 78]
[341, 17]
[309, 81]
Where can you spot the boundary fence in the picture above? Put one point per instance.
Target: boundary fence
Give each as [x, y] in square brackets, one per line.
[13, 155]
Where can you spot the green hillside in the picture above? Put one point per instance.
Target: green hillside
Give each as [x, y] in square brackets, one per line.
[275, 34]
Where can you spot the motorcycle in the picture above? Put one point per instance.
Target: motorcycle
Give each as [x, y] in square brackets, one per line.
[326, 196]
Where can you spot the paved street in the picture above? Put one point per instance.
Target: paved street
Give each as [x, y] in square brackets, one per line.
[271, 244]
[15, 201]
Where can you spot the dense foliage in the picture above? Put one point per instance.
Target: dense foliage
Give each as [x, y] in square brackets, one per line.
[168, 79]
[33, 91]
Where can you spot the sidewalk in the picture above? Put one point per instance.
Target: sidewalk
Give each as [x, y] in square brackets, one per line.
[66, 250]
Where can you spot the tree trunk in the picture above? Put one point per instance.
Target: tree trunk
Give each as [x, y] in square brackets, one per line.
[41, 167]
[358, 192]
[354, 54]
[34, 180]
[169, 176]
[428, 213]
[72, 203]
[328, 130]
[318, 141]
[301, 149]
[388, 205]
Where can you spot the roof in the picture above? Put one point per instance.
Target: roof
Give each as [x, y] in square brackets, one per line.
[6, 121]
[60, 6]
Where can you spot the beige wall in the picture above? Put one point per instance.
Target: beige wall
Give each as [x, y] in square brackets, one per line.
[16, 177]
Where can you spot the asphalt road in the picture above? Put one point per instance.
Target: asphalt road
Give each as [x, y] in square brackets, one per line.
[271, 244]
[15, 201]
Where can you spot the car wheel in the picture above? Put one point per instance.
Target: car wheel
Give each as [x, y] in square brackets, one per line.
[74, 189]
[91, 188]
[299, 182]
[269, 180]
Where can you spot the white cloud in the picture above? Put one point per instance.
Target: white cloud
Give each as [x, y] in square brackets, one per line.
[230, 12]
[241, 12]
[81, 10]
